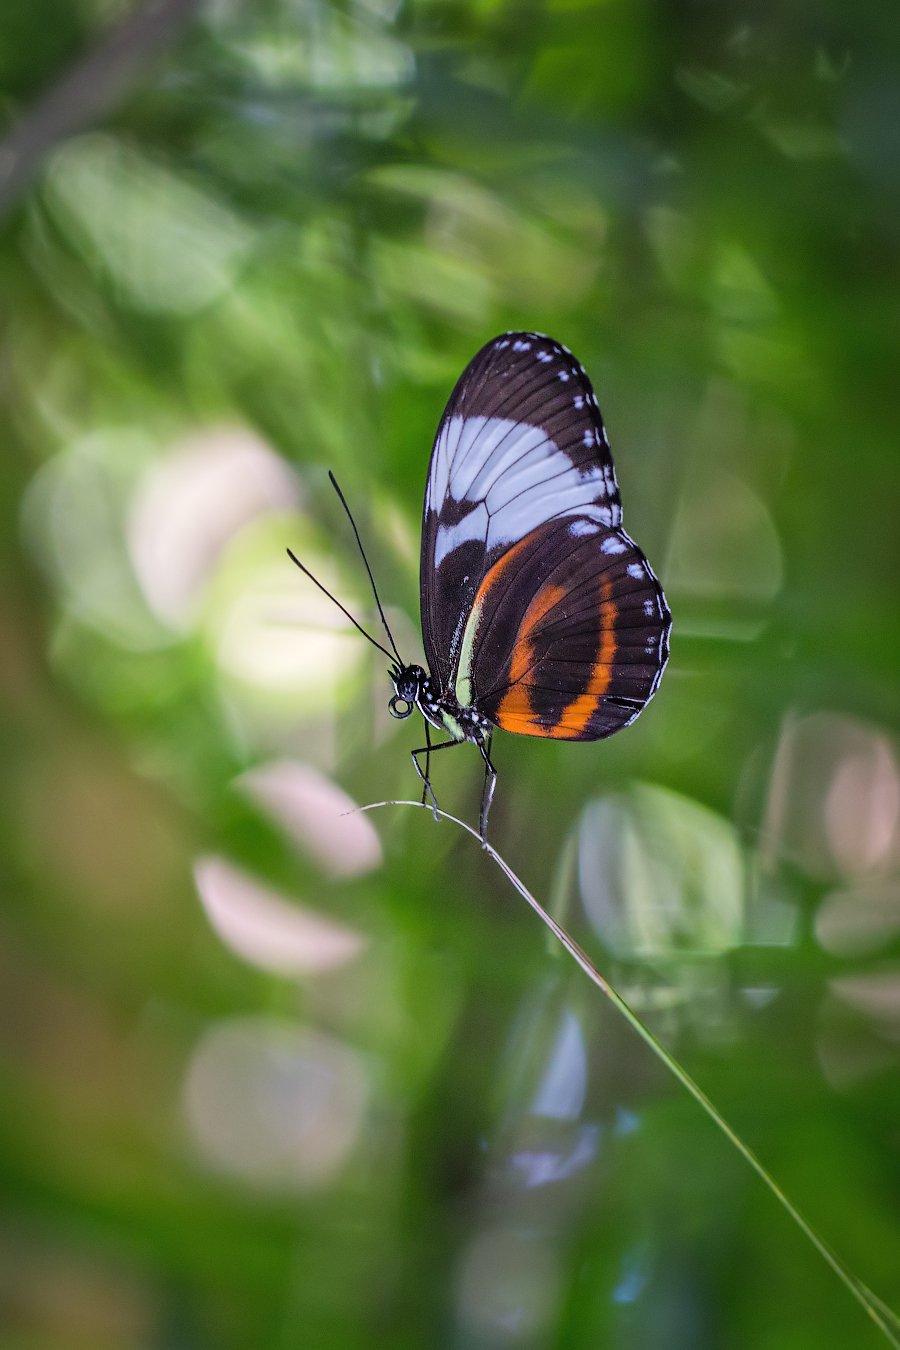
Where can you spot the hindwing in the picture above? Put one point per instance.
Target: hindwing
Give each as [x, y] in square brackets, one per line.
[568, 635]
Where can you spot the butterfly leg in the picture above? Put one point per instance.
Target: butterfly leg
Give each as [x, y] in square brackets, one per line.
[427, 779]
[429, 750]
[487, 791]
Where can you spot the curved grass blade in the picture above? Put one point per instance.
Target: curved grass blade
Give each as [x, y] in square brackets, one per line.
[878, 1311]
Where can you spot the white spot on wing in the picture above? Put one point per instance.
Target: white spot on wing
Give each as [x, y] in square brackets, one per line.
[613, 545]
[635, 570]
[582, 527]
[588, 438]
[564, 376]
[545, 356]
[579, 401]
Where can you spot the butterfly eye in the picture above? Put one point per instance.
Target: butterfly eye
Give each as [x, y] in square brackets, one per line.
[400, 707]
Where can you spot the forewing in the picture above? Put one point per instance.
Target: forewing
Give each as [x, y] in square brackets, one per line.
[521, 442]
[570, 633]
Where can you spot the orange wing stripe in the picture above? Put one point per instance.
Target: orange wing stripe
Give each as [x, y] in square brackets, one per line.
[515, 706]
[526, 725]
[523, 654]
[579, 712]
[516, 712]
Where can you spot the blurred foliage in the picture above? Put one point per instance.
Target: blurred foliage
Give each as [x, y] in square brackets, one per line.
[277, 1076]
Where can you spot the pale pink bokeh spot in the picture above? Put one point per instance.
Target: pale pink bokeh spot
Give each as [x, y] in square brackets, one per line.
[317, 814]
[268, 929]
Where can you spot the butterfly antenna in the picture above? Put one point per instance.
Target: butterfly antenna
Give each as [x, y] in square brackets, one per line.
[306, 572]
[343, 500]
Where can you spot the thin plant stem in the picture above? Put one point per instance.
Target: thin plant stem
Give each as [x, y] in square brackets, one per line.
[883, 1316]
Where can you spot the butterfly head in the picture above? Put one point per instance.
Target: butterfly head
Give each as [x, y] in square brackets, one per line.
[407, 682]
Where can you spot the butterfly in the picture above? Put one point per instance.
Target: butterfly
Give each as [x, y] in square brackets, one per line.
[540, 615]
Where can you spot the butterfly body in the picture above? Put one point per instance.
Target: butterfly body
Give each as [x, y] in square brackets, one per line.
[414, 687]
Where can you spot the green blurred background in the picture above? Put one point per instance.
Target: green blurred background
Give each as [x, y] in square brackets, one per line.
[275, 1076]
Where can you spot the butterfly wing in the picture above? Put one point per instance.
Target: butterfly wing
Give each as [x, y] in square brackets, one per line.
[568, 635]
[521, 443]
